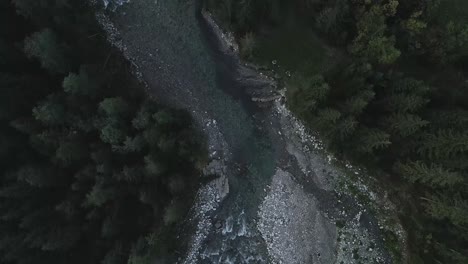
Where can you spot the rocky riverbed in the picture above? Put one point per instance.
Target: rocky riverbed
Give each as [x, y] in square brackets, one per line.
[280, 197]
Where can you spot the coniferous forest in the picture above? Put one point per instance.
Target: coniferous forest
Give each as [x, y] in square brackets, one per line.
[385, 84]
[92, 170]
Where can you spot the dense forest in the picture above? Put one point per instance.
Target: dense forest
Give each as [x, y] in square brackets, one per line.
[393, 96]
[92, 170]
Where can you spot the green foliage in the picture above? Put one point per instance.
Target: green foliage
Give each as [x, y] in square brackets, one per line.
[112, 134]
[173, 213]
[444, 143]
[382, 49]
[451, 254]
[79, 84]
[305, 94]
[98, 196]
[153, 167]
[45, 46]
[357, 104]
[346, 127]
[415, 24]
[406, 102]
[371, 140]
[114, 107]
[405, 124]
[70, 151]
[456, 118]
[432, 175]
[243, 15]
[397, 94]
[31, 8]
[438, 31]
[454, 209]
[88, 165]
[331, 19]
[371, 43]
[115, 256]
[327, 119]
[410, 86]
[50, 112]
[134, 144]
[34, 176]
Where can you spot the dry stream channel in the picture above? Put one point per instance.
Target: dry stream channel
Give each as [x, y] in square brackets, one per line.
[279, 196]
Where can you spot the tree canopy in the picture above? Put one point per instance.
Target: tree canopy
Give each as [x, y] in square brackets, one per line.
[394, 99]
[92, 170]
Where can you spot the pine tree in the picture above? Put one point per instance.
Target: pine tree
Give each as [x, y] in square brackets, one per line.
[404, 103]
[69, 194]
[444, 144]
[37, 9]
[113, 134]
[456, 118]
[346, 127]
[410, 86]
[45, 46]
[331, 19]
[357, 104]
[455, 256]
[442, 206]
[326, 120]
[135, 144]
[35, 176]
[405, 124]
[164, 117]
[140, 253]
[114, 107]
[371, 42]
[382, 49]
[99, 195]
[143, 118]
[432, 175]
[70, 151]
[371, 139]
[130, 174]
[116, 255]
[50, 112]
[60, 238]
[79, 84]
[305, 94]
[173, 212]
[153, 167]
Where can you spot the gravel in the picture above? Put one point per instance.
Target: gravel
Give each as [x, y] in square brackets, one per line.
[292, 225]
[305, 217]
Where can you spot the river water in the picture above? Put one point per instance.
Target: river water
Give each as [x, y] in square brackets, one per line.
[275, 200]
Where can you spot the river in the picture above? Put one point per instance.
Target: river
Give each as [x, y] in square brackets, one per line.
[278, 197]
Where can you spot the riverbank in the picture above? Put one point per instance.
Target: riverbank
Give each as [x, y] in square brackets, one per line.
[348, 180]
[394, 102]
[268, 157]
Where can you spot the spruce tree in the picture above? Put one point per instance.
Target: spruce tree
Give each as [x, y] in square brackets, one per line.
[405, 125]
[46, 47]
[444, 144]
[372, 139]
[432, 175]
[443, 206]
